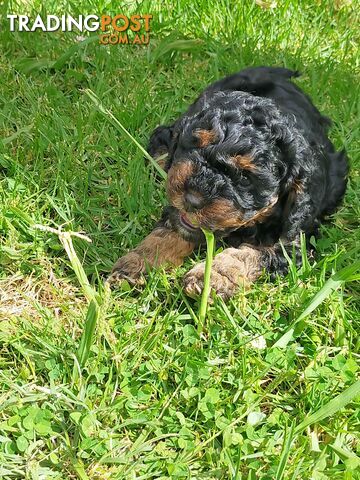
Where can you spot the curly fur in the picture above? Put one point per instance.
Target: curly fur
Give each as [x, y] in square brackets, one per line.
[251, 160]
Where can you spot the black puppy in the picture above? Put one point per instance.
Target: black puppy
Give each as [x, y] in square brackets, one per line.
[251, 161]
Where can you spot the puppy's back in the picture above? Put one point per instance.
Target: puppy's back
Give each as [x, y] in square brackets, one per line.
[275, 83]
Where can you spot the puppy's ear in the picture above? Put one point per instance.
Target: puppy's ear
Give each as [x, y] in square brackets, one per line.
[289, 168]
[160, 145]
[302, 193]
[296, 153]
[291, 196]
[299, 187]
[172, 148]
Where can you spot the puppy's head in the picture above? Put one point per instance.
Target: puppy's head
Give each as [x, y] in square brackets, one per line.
[227, 166]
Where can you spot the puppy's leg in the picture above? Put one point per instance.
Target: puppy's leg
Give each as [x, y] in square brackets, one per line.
[163, 246]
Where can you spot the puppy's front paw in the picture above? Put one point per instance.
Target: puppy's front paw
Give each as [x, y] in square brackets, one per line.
[128, 268]
[223, 286]
[231, 268]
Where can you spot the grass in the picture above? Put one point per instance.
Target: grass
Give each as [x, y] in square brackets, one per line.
[100, 385]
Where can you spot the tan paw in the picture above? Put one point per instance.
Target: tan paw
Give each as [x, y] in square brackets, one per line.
[129, 268]
[231, 268]
[219, 283]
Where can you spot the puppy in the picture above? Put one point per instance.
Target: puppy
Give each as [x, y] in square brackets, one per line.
[251, 161]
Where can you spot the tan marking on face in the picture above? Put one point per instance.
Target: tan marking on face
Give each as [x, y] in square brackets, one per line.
[177, 177]
[245, 162]
[206, 137]
[222, 214]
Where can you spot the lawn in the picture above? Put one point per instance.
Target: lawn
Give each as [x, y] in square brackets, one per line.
[127, 384]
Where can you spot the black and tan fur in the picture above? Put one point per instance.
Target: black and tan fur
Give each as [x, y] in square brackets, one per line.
[250, 160]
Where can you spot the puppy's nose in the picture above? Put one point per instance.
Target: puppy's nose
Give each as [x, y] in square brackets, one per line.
[193, 201]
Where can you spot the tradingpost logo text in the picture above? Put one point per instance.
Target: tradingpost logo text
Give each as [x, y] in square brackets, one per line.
[119, 29]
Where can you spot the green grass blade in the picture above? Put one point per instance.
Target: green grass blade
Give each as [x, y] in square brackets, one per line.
[345, 454]
[79, 469]
[28, 65]
[334, 282]
[285, 453]
[17, 134]
[87, 337]
[89, 292]
[285, 338]
[331, 407]
[208, 263]
[60, 62]
[108, 115]
[172, 44]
